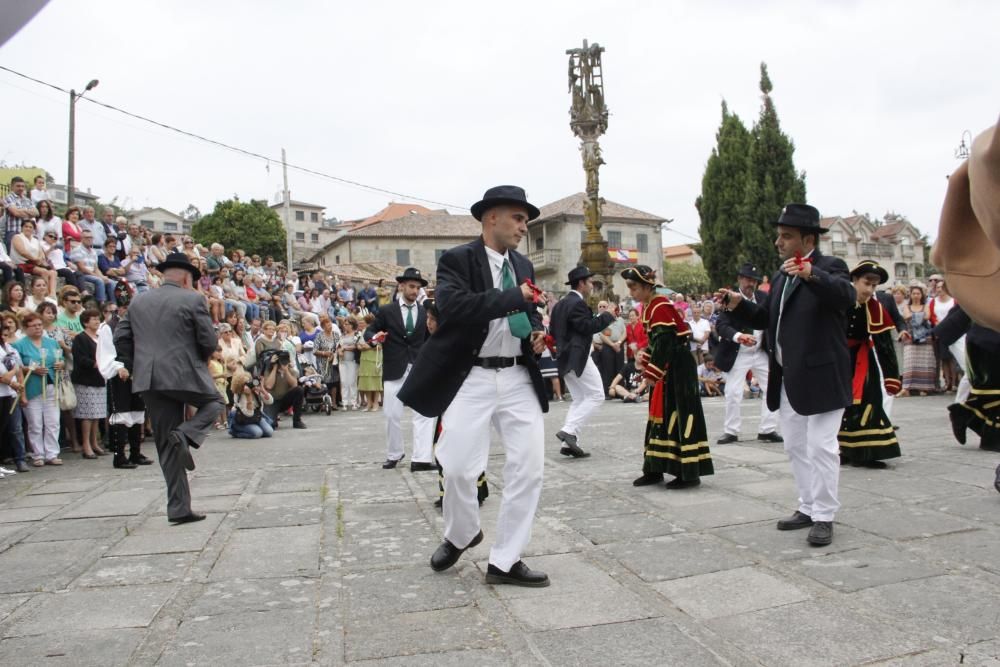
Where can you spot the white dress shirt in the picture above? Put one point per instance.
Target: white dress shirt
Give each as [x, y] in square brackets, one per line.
[499, 341]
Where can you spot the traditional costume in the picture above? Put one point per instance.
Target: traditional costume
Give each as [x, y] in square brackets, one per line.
[676, 440]
[980, 411]
[866, 435]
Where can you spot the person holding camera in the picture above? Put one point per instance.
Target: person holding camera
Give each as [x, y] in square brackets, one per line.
[247, 419]
[281, 380]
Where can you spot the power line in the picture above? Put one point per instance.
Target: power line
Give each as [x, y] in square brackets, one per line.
[236, 149]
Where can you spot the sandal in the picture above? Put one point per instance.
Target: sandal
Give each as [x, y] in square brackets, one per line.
[90, 456]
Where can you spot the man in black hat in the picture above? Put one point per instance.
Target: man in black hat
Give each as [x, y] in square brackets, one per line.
[480, 369]
[742, 350]
[810, 379]
[167, 339]
[573, 326]
[404, 323]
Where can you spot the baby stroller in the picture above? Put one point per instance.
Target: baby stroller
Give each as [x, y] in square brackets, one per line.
[317, 398]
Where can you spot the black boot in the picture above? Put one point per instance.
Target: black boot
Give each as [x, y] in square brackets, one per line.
[117, 438]
[135, 456]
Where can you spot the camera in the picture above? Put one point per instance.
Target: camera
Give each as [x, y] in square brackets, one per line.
[253, 383]
[284, 358]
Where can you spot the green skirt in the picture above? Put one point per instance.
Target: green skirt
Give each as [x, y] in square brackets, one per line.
[676, 441]
[369, 372]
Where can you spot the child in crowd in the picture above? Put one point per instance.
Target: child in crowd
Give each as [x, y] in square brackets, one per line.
[711, 380]
[218, 372]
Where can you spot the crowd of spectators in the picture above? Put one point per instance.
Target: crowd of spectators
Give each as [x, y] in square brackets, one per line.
[65, 275]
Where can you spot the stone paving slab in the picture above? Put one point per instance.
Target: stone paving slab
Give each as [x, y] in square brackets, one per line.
[157, 536]
[44, 500]
[89, 609]
[124, 502]
[766, 542]
[137, 570]
[677, 556]
[235, 639]
[416, 633]
[244, 595]
[729, 592]
[904, 522]
[26, 514]
[64, 485]
[866, 567]
[79, 529]
[291, 551]
[37, 566]
[961, 551]
[93, 648]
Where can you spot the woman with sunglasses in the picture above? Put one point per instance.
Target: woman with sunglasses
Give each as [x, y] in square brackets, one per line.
[28, 254]
[189, 250]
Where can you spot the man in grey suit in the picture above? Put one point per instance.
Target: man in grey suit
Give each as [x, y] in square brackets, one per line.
[165, 341]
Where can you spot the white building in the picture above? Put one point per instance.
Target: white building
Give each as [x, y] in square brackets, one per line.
[160, 220]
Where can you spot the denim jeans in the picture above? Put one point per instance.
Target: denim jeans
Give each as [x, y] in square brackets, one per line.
[102, 291]
[262, 429]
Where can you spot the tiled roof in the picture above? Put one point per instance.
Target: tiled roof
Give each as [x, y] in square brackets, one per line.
[890, 229]
[677, 251]
[362, 271]
[391, 212]
[421, 226]
[573, 205]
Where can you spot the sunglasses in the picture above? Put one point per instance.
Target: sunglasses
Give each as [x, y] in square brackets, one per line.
[72, 300]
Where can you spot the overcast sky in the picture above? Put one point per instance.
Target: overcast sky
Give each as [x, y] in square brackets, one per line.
[441, 100]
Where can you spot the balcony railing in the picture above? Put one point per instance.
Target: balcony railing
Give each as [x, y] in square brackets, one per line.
[839, 248]
[546, 260]
[886, 250]
[867, 250]
[907, 252]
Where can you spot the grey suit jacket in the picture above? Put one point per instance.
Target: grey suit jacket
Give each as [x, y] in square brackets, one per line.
[166, 339]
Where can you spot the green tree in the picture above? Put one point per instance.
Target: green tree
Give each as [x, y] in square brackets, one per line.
[723, 196]
[773, 183]
[687, 278]
[251, 226]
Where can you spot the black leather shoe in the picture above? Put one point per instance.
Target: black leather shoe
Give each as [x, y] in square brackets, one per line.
[298, 423]
[123, 463]
[959, 421]
[421, 466]
[770, 437]
[648, 479]
[390, 464]
[141, 460]
[574, 450]
[821, 534]
[727, 439]
[448, 554]
[519, 575]
[796, 521]
[566, 438]
[178, 440]
[678, 483]
[188, 518]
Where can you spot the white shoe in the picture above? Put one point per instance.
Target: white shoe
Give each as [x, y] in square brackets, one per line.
[4, 471]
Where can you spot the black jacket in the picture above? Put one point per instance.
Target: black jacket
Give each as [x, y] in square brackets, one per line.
[85, 371]
[573, 326]
[467, 302]
[887, 300]
[813, 335]
[399, 350]
[728, 325]
[958, 323]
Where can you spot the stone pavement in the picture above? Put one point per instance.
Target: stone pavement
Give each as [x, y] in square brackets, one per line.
[312, 554]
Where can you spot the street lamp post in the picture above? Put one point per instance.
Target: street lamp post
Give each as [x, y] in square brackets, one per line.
[71, 176]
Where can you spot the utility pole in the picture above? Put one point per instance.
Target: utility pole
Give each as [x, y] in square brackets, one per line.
[71, 175]
[288, 216]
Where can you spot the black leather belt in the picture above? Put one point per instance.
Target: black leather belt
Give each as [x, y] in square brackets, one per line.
[498, 362]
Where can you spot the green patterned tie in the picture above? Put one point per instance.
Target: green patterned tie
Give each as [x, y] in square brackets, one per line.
[520, 327]
[409, 320]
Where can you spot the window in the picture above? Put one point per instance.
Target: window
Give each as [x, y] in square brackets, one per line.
[614, 239]
[300, 236]
[314, 238]
[170, 226]
[300, 215]
[901, 270]
[642, 242]
[540, 243]
[438, 253]
[313, 216]
[403, 257]
[149, 224]
[336, 259]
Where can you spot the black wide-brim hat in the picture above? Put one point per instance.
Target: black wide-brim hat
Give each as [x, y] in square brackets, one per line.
[748, 270]
[578, 273]
[801, 216]
[504, 194]
[412, 273]
[870, 266]
[178, 260]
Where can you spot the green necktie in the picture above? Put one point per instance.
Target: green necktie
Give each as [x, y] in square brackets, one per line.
[409, 320]
[520, 327]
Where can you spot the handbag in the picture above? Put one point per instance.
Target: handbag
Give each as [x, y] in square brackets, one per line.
[67, 394]
[243, 419]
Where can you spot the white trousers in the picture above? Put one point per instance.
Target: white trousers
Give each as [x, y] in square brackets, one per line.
[42, 413]
[812, 447]
[957, 350]
[349, 383]
[588, 395]
[506, 400]
[757, 362]
[423, 427]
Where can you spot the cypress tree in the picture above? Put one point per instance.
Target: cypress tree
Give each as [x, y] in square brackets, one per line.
[773, 183]
[723, 198]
